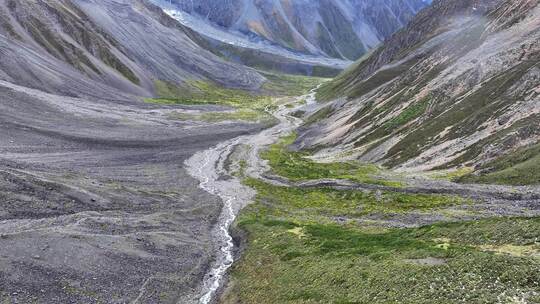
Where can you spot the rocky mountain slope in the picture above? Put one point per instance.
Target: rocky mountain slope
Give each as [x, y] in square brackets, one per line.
[296, 30]
[104, 47]
[95, 204]
[458, 87]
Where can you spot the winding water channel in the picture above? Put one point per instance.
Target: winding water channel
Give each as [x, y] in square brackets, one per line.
[209, 167]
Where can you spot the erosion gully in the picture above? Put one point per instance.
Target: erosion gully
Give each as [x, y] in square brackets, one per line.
[210, 168]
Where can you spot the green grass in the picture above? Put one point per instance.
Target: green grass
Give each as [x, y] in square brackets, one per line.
[297, 167]
[294, 261]
[515, 231]
[466, 116]
[289, 85]
[242, 114]
[318, 203]
[409, 114]
[441, 115]
[202, 92]
[451, 175]
[308, 246]
[248, 106]
[519, 168]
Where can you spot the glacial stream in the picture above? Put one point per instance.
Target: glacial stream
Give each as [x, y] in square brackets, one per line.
[209, 167]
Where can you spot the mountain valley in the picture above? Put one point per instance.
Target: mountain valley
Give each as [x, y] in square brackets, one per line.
[291, 151]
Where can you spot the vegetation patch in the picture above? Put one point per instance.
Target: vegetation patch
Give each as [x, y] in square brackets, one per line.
[237, 115]
[469, 114]
[289, 85]
[409, 114]
[513, 250]
[307, 245]
[519, 168]
[202, 92]
[248, 106]
[451, 175]
[199, 92]
[294, 260]
[349, 203]
[297, 166]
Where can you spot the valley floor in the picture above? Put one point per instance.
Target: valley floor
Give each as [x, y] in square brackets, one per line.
[355, 233]
[95, 203]
[123, 202]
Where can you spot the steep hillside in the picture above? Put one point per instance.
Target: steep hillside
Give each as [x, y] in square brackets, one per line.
[458, 87]
[295, 30]
[104, 48]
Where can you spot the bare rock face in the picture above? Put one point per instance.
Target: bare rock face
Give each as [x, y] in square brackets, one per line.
[75, 47]
[458, 86]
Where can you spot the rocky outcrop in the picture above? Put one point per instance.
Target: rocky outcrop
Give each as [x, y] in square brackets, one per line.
[458, 87]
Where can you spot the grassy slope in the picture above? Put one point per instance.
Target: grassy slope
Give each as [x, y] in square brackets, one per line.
[422, 121]
[519, 168]
[202, 92]
[321, 204]
[289, 85]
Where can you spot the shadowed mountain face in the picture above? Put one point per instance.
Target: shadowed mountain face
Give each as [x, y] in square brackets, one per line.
[340, 29]
[459, 86]
[75, 47]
